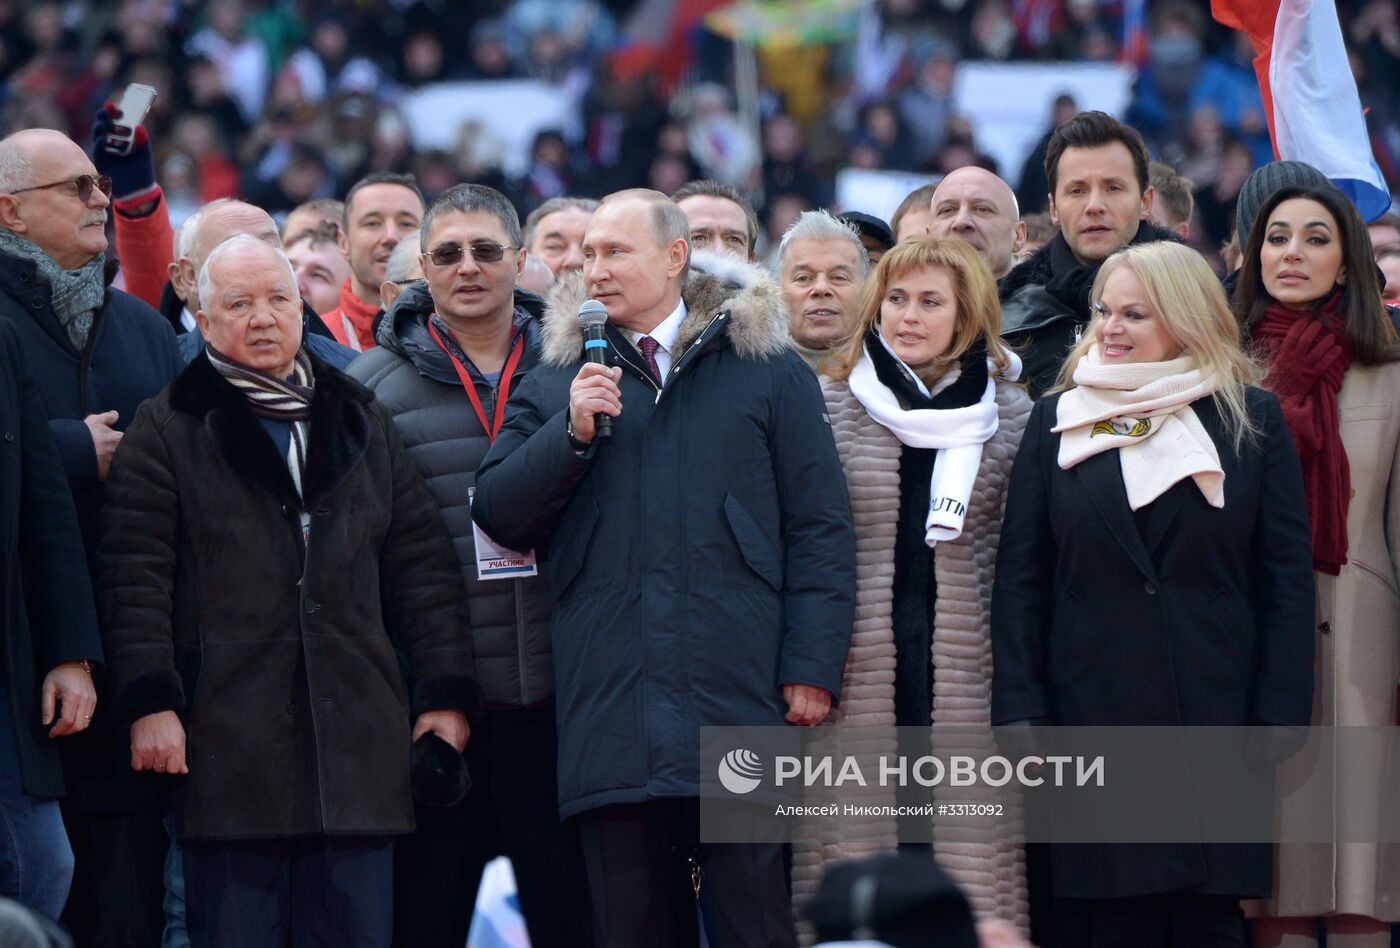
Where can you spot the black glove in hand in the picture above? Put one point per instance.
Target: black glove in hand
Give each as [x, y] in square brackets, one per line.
[131, 173]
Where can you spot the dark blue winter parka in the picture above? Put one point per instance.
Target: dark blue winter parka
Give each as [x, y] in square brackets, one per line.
[701, 559]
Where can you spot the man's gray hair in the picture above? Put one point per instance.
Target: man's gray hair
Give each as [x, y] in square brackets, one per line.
[16, 167]
[238, 242]
[403, 260]
[469, 199]
[554, 206]
[822, 225]
[184, 235]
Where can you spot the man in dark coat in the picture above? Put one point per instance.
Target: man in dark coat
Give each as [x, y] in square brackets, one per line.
[702, 558]
[50, 625]
[267, 544]
[467, 325]
[95, 354]
[1100, 198]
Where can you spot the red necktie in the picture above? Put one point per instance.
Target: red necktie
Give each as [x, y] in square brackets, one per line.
[649, 346]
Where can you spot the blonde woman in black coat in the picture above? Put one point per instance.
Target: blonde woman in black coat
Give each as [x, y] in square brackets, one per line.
[1155, 570]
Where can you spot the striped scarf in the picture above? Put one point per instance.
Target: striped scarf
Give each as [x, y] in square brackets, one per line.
[278, 399]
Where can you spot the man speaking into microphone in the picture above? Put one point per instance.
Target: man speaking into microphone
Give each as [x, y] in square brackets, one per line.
[701, 558]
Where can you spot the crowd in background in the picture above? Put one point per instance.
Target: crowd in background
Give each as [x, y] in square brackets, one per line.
[280, 102]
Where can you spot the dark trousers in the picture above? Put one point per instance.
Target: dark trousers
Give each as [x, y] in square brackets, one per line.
[511, 810]
[1172, 920]
[632, 852]
[304, 892]
[117, 880]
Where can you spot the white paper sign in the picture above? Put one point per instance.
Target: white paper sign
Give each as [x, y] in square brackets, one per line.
[494, 561]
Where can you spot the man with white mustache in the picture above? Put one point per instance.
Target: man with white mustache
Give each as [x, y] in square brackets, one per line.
[95, 353]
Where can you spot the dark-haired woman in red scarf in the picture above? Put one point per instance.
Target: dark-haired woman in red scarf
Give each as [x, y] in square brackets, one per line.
[1310, 299]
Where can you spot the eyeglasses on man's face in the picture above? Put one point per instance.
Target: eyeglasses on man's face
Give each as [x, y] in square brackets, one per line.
[451, 255]
[83, 184]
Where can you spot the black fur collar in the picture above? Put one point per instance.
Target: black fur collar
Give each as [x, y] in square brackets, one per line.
[340, 428]
[1040, 266]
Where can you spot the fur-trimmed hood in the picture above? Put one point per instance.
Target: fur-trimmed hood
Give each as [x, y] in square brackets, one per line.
[757, 327]
[1039, 267]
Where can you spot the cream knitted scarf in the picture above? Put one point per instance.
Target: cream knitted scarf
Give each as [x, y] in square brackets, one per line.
[1144, 411]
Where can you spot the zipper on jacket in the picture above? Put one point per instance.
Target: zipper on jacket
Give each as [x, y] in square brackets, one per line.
[675, 366]
[84, 359]
[520, 644]
[305, 547]
[638, 370]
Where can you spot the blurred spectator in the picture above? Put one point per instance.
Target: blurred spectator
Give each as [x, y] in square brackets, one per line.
[303, 178]
[319, 266]
[1215, 203]
[912, 218]
[1040, 230]
[875, 235]
[718, 142]
[488, 55]
[405, 267]
[1390, 268]
[241, 59]
[787, 169]
[327, 67]
[993, 31]
[1385, 235]
[926, 104]
[1173, 202]
[781, 213]
[1087, 35]
[551, 173]
[1227, 83]
[304, 217]
[1033, 192]
[554, 232]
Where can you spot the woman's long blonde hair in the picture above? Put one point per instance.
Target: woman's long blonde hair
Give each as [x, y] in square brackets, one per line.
[1186, 298]
[979, 310]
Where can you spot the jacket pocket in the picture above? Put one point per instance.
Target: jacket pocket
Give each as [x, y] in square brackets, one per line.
[1364, 413]
[754, 546]
[567, 558]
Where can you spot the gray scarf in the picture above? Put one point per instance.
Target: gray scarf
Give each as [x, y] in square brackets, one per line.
[76, 295]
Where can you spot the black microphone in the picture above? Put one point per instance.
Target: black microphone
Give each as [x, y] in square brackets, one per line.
[593, 316]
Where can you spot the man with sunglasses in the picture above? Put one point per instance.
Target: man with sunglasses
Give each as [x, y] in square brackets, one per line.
[95, 354]
[451, 350]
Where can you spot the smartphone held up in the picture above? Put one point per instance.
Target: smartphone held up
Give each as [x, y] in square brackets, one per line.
[132, 108]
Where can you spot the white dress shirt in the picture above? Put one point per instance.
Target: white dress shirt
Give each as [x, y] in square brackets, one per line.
[665, 335]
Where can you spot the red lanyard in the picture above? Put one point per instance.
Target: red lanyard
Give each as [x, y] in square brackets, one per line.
[502, 389]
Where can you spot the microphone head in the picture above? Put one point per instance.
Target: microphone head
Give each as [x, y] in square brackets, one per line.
[592, 313]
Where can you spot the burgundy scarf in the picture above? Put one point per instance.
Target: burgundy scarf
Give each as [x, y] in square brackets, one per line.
[1307, 354]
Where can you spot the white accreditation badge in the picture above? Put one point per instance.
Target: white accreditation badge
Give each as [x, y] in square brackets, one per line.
[494, 561]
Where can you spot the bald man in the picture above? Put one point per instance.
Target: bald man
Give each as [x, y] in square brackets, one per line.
[95, 354]
[976, 205]
[726, 509]
[217, 222]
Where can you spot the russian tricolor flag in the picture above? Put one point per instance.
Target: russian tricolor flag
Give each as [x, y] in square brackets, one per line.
[1310, 96]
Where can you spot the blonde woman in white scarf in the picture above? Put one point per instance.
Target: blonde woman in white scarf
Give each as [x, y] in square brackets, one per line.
[1155, 569]
[926, 414]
